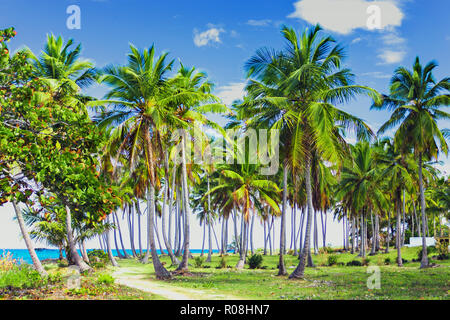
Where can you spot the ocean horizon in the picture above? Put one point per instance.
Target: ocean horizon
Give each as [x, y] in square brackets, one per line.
[23, 256]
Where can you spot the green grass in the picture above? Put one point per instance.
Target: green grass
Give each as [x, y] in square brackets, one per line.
[322, 282]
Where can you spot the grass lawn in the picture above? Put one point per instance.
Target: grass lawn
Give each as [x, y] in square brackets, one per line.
[321, 282]
[97, 285]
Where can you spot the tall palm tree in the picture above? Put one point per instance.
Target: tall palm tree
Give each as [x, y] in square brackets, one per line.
[359, 186]
[190, 100]
[138, 111]
[395, 173]
[300, 86]
[415, 100]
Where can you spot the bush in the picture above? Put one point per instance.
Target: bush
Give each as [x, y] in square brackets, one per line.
[355, 263]
[387, 261]
[222, 263]
[442, 249]
[105, 278]
[326, 250]
[23, 277]
[198, 261]
[430, 249]
[98, 256]
[332, 260]
[365, 262]
[255, 261]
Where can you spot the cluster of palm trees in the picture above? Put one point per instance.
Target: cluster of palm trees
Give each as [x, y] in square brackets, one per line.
[295, 91]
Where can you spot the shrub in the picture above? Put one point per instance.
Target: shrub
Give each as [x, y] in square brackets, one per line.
[222, 262]
[365, 261]
[97, 255]
[105, 278]
[430, 249]
[23, 277]
[332, 259]
[387, 261]
[255, 261]
[356, 263]
[198, 261]
[442, 249]
[326, 250]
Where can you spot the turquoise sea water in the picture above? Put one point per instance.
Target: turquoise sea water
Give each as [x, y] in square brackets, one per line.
[23, 256]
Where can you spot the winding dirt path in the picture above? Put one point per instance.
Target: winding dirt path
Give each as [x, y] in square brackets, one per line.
[134, 278]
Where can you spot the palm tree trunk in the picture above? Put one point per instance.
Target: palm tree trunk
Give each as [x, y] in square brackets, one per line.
[183, 266]
[84, 252]
[265, 237]
[215, 238]
[388, 238]
[372, 249]
[403, 220]
[236, 239]
[362, 251]
[316, 238]
[155, 226]
[163, 216]
[353, 235]
[270, 237]
[281, 266]
[398, 233]
[26, 236]
[177, 223]
[242, 255]
[125, 253]
[377, 233]
[119, 254]
[138, 210]
[324, 229]
[71, 244]
[302, 222]
[294, 230]
[208, 221]
[299, 272]
[251, 233]
[160, 271]
[424, 262]
[108, 247]
[130, 218]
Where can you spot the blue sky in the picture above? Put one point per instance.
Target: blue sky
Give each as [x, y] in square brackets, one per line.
[219, 36]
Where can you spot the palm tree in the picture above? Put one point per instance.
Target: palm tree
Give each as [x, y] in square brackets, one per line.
[306, 80]
[57, 61]
[415, 100]
[139, 111]
[359, 187]
[395, 173]
[190, 100]
[249, 191]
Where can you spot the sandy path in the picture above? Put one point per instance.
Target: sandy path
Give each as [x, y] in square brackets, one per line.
[135, 279]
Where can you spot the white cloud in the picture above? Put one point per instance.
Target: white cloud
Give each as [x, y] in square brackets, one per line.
[356, 40]
[393, 39]
[344, 16]
[231, 92]
[259, 23]
[204, 38]
[389, 56]
[377, 75]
